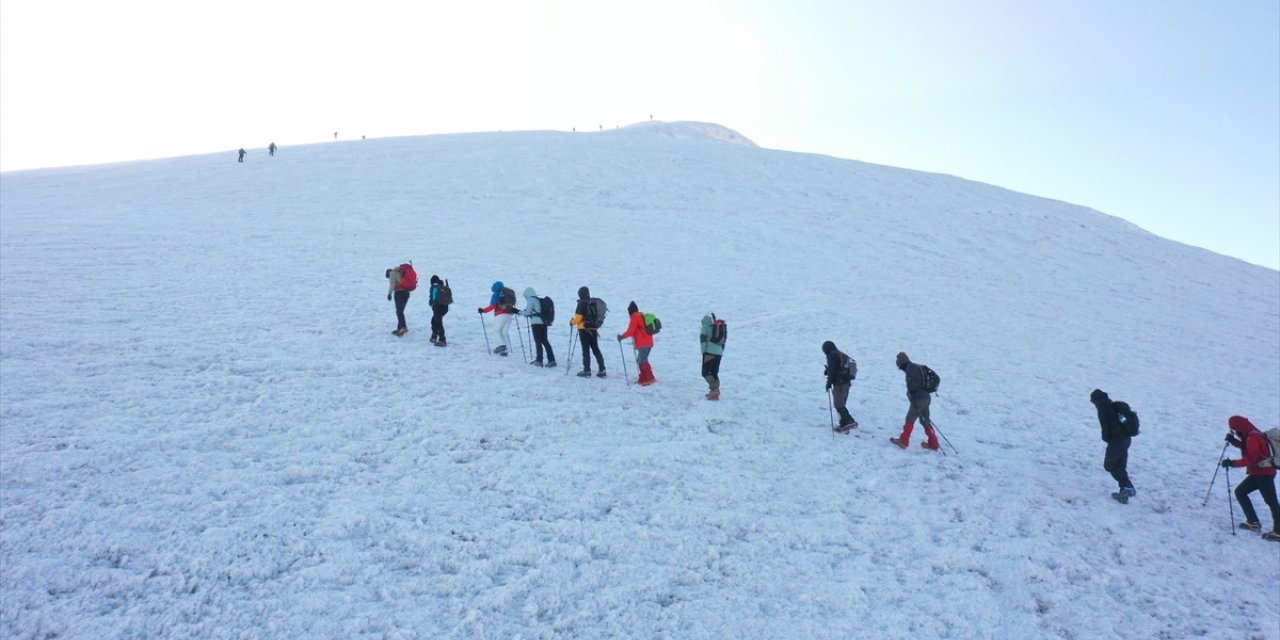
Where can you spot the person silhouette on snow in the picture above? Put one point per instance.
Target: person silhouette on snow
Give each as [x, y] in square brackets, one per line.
[838, 382]
[438, 309]
[271, 149]
[533, 311]
[401, 297]
[712, 353]
[1116, 435]
[241, 159]
[643, 343]
[1254, 448]
[503, 312]
[919, 407]
[588, 334]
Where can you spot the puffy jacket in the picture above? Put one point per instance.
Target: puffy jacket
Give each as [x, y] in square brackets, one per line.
[638, 332]
[1254, 447]
[532, 306]
[493, 300]
[708, 347]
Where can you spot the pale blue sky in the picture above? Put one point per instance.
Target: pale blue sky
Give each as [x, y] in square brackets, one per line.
[1166, 113]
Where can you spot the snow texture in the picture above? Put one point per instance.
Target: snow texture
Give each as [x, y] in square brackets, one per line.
[207, 429]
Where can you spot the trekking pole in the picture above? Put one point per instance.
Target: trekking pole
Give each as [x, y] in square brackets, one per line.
[626, 376]
[944, 439]
[831, 414]
[1216, 468]
[1230, 506]
[485, 329]
[568, 364]
[520, 334]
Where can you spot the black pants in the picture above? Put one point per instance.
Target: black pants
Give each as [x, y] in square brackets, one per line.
[540, 342]
[437, 320]
[590, 339]
[402, 298]
[1116, 460]
[711, 371]
[1266, 485]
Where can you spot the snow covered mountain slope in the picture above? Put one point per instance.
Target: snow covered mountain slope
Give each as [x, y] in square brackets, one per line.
[207, 429]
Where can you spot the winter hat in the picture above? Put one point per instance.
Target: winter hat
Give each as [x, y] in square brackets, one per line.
[828, 346]
[436, 280]
[497, 286]
[530, 293]
[1097, 396]
[632, 308]
[902, 359]
[1241, 425]
[387, 274]
[583, 293]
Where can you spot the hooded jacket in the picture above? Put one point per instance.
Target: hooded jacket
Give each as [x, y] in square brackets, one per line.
[580, 312]
[493, 300]
[532, 306]
[708, 347]
[1111, 428]
[1253, 445]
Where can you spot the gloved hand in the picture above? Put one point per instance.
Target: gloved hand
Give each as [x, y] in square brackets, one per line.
[479, 309]
[619, 337]
[388, 296]
[828, 385]
[1227, 464]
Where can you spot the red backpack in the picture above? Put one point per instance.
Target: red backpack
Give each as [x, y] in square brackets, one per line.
[408, 277]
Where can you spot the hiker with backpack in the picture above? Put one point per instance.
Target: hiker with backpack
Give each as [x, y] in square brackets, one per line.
[503, 305]
[1119, 425]
[440, 297]
[918, 395]
[1259, 459]
[540, 313]
[712, 338]
[840, 372]
[642, 342]
[587, 317]
[401, 280]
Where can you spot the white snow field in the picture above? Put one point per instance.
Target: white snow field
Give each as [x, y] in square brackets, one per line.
[207, 429]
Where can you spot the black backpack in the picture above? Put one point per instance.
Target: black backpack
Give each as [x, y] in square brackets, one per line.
[596, 310]
[848, 365]
[548, 313]
[445, 297]
[1126, 417]
[930, 378]
[506, 299]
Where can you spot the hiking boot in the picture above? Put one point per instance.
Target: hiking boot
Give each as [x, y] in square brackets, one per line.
[585, 373]
[713, 395]
[599, 375]
[1251, 526]
[932, 446]
[536, 363]
[399, 332]
[901, 443]
[1273, 536]
[500, 349]
[440, 343]
[434, 339]
[551, 364]
[1122, 496]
